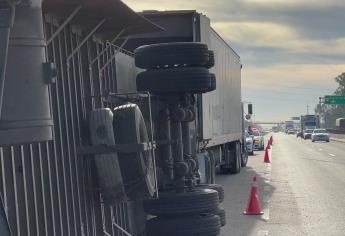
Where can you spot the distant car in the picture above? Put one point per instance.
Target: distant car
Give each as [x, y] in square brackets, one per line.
[249, 143]
[259, 142]
[307, 133]
[320, 135]
[291, 131]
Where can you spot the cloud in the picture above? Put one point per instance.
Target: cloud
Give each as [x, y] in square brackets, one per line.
[282, 75]
[280, 36]
[167, 5]
[312, 18]
[294, 3]
[283, 44]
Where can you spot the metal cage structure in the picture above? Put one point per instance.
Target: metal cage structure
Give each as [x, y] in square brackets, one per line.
[47, 188]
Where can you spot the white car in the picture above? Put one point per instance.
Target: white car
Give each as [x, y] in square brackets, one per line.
[320, 135]
[307, 133]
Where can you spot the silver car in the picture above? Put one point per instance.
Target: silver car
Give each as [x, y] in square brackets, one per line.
[307, 133]
[249, 143]
[320, 135]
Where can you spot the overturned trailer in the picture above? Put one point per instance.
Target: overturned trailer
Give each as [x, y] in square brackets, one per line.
[195, 117]
[219, 123]
[92, 156]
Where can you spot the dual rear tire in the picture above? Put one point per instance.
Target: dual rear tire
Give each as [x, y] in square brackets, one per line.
[172, 55]
[194, 212]
[175, 68]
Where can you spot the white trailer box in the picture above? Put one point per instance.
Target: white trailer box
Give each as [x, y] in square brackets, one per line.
[222, 109]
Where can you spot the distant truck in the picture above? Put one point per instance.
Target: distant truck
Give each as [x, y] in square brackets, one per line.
[340, 124]
[309, 122]
[289, 124]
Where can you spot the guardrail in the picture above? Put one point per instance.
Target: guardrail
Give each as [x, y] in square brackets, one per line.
[336, 131]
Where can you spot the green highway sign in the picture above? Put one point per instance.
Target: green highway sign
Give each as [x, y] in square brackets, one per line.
[295, 118]
[335, 100]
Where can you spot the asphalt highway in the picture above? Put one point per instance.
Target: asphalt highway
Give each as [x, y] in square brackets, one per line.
[302, 191]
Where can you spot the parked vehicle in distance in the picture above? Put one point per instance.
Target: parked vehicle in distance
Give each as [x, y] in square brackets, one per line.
[340, 123]
[259, 143]
[291, 131]
[309, 122]
[320, 135]
[249, 143]
[289, 124]
[275, 129]
[307, 133]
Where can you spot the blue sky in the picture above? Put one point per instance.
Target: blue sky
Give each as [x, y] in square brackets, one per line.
[291, 50]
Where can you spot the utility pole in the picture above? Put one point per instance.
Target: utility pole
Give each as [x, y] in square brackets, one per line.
[308, 109]
[322, 121]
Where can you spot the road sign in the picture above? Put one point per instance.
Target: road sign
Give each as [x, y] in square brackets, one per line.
[335, 100]
[295, 118]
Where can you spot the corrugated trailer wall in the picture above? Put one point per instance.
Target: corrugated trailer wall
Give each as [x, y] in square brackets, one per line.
[48, 189]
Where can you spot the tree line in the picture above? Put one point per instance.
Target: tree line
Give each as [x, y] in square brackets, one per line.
[330, 113]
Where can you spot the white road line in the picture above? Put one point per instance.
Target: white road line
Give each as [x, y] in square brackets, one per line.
[332, 155]
[266, 215]
[263, 233]
[320, 149]
[268, 167]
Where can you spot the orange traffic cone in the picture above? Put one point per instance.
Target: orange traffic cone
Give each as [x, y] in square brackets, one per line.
[253, 205]
[268, 146]
[267, 158]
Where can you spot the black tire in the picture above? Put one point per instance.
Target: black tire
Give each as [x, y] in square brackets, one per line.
[213, 82]
[219, 188]
[189, 203]
[198, 225]
[244, 158]
[236, 164]
[177, 80]
[137, 168]
[211, 60]
[107, 165]
[169, 55]
[222, 215]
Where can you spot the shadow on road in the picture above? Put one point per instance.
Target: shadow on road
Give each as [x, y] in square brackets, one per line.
[237, 189]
